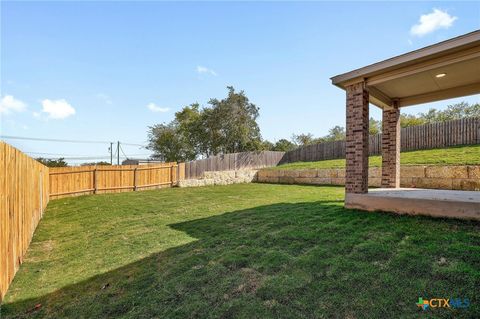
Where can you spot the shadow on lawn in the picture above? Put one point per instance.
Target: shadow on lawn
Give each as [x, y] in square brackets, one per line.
[300, 260]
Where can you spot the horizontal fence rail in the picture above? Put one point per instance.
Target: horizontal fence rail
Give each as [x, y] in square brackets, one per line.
[231, 162]
[75, 181]
[24, 190]
[428, 136]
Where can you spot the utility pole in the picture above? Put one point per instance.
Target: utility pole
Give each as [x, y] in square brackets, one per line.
[111, 153]
[118, 152]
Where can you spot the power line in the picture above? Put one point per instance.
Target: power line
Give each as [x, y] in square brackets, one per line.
[78, 158]
[123, 151]
[114, 154]
[133, 144]
[74, 157]
[40, 139]
[90, 157]
[61, 155]
[50, 139]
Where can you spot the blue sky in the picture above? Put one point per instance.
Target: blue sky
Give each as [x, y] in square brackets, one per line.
[108, 70]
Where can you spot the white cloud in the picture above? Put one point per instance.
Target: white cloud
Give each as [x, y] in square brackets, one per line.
[155, 108]
[105, 98]
[57, 109]
[10, 104]
[433, 21]
[203, 69]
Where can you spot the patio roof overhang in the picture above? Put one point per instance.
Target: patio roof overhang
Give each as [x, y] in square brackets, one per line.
[441, 71]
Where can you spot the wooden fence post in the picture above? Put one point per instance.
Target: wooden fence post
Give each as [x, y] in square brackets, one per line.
[178, 172]
[95, 180]
[135, 179]
[171, 174]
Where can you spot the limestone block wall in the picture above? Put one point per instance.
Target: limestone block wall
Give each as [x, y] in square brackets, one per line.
[433, 177]
[221, 178]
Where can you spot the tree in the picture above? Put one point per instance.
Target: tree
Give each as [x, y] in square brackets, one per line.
[452, 112]
[407, 120]
[267, 146]
[374, 126]
[336, 133]
[167, 141]
[188, 123]
[96, 163]
[60, 162]
[303, 139]
[228, 125]
[283, 145]
[231, 124]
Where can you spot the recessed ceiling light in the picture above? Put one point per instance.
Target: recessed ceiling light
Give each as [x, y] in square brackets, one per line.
[440, 75]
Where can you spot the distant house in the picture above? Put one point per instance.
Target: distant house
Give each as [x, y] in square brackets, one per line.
[132, 161]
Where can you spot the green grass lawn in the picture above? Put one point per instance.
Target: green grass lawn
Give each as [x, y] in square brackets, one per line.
[461, 155]
[241, 251]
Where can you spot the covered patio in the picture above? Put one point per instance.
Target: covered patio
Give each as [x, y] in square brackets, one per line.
[445, 70]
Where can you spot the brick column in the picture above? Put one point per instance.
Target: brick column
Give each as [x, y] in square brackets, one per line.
[391, 148]
[356, 150]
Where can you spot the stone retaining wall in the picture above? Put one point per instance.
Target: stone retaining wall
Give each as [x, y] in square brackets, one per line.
[434, 177]
[221, 178]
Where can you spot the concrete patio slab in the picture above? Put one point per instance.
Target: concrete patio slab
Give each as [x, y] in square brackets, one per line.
[430, 202]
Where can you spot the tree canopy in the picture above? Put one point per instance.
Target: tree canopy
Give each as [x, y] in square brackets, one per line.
[283, 145]
[452, 112]
[100, 163]
[228, 125]
[60, 162]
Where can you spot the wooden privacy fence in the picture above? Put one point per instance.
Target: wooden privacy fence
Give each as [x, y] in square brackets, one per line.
[440, 135]
[26, 186]
[428, 136]
[75, 181]
[24, 193]
[436, 135]
[232, 161]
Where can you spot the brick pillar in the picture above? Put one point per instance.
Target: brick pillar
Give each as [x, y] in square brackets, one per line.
[391, 148]
[356, 151]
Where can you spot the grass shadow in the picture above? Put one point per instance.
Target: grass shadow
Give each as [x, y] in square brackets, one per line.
[285, 260]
